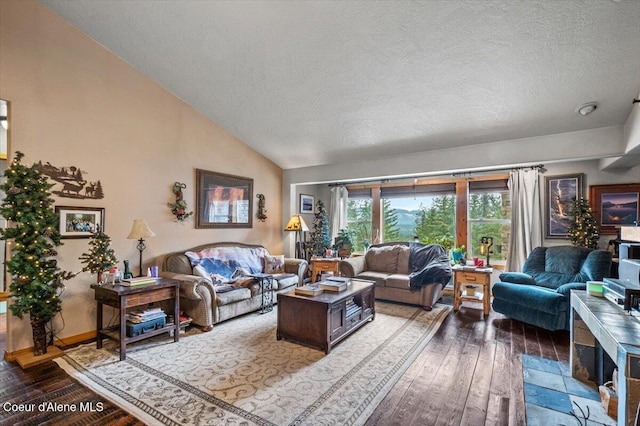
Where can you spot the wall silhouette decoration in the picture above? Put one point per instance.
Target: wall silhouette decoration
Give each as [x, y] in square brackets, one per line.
[72, 183]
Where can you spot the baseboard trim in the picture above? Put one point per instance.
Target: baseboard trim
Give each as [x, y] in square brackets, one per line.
[59, 343]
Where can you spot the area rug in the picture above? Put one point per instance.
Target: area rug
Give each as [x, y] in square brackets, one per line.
[239, 373]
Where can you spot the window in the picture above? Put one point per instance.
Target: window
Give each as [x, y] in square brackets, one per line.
[359, 219]
[489, 215]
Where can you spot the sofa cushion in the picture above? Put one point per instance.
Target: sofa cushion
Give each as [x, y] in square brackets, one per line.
[236, 294]
[225, 264]
[403, 260]
[382, 259]
[273, 264]
[400, 281]
[378, 277]
[281, 281]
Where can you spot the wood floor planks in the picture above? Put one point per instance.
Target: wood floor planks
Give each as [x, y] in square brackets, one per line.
[469, 374]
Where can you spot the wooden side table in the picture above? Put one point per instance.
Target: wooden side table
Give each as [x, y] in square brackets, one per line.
[475, 277]
[321, 264]
[123, 297]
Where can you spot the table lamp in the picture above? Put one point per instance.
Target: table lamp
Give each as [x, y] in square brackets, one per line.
[297, 224]
[485, 248]
[139, 232]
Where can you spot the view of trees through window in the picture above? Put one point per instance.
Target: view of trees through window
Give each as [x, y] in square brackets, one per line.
[433, 220]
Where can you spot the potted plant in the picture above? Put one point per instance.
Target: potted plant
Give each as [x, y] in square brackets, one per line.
[35, 276]
[343, 244]
[458, 254]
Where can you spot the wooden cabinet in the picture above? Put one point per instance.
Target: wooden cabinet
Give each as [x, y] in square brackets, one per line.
[320, 265]
[323, 321]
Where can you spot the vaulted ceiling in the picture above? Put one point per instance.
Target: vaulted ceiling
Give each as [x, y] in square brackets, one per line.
[319, 82]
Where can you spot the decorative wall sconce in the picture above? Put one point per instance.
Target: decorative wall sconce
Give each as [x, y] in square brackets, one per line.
[262, 212]
[485, 248]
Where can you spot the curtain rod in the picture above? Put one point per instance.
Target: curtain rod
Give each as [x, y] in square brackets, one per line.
[459, 174]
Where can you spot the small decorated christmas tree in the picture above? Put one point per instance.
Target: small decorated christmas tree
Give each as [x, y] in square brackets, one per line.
[583, 231]
[35, 276]
[100, 257]
[320, 238]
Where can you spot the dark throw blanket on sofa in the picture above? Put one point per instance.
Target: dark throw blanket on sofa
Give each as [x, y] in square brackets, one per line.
[429, 264]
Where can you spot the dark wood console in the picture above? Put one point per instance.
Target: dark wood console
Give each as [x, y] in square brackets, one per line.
[323, 321]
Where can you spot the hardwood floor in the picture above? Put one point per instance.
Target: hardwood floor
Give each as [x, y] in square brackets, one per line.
[469, 374]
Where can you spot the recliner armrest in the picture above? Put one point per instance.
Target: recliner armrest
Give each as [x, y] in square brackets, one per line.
[565, 289]
[517, 278]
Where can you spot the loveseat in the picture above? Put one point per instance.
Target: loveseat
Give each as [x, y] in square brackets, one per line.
[216, 285]
[388, 265]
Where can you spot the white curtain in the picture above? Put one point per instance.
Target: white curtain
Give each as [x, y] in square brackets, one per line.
[526, 222]
[338, 212]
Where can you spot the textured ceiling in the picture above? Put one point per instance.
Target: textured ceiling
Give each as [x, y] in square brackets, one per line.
[309, 83]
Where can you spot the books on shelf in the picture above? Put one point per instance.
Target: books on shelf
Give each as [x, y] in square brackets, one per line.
[146, 315]
[334, 286]
[309, 290]
[139, 281]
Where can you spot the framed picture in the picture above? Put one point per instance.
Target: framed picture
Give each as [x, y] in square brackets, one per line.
[614, 205]
[79, 222]
[223, 201]
[560, 192]
[306, 203]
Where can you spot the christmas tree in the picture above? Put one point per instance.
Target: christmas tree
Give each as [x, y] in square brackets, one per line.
[583, 231]
[320, 238]
[35, 276]
[100, 257]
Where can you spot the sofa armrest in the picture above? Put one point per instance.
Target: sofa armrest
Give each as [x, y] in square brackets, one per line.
[517, 278]
[351, 266]
[197, 298]
[296, 266]
[565, 289]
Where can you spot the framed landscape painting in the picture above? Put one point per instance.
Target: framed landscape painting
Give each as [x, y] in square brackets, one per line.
[223, 201]
[306, 203]
[79, 222]
[561, 191]
[615, 205]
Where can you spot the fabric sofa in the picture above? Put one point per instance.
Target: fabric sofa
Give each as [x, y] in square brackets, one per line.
[388, 265]
[216, 283]
[540, 294]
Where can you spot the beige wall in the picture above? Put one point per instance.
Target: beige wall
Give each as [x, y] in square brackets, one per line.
[75, 103]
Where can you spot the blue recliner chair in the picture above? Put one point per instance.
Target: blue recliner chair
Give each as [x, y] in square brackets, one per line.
[539, 295]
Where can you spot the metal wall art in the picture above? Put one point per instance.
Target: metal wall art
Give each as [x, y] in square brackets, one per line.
[71, 182]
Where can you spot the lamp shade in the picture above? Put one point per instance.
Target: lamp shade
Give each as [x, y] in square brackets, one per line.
[140, 230]
[296, 223]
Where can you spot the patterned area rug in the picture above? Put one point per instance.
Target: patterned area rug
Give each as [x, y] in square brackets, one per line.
[240, 374]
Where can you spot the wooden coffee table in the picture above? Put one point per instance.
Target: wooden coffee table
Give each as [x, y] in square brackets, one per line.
[325, 320]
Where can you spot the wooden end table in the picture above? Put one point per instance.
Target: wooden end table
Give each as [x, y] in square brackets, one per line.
[321, 264]
[476, 277]
[123, 297]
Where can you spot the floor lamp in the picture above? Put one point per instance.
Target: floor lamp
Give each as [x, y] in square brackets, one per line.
[139, 232]
[296, 223]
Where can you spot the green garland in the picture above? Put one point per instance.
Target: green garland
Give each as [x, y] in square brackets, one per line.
[36, 277]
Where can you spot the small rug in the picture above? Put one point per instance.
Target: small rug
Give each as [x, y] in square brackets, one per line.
[240, 374]
[553, 397]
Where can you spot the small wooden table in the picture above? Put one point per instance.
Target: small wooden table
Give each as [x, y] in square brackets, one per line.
[123, 297]
[477, 277]
[321, 264]
[324, 320]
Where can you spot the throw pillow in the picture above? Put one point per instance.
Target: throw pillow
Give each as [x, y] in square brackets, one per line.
[274, 264]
